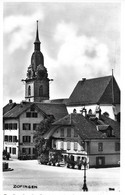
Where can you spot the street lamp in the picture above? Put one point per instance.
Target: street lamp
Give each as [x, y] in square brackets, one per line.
[84, 184]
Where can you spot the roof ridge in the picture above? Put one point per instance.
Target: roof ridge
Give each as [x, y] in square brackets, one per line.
[98, 78]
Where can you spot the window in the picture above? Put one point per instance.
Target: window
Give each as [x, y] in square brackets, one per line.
[61, 145]
[68, 132]
[68, 145]
[31, 114]
[34, 114]
[6, 126]
[62, 132]
[29, 90]
[10, 139]
[41, 91]
[75, 133]
[5, 138]
[34, 151]
[13, 150]
[54, 144]
[14, 126]
[117, 146]
[35, 125]
[82, 145]
[14, 138]
[75, 146]
[10, 150]
[26, 150]
[26, 139]
[26, 126]
[100, 147]
[28, 114]
[10, 126]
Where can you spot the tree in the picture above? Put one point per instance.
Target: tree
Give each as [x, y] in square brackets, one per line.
[41, 144]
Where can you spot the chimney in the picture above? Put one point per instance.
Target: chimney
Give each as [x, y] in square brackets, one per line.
[83, 80]
[10, 101]
[98, 112]
[74, 111]
[83, 111]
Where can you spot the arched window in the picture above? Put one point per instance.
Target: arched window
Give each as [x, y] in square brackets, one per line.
[29, 90]
[41, 91]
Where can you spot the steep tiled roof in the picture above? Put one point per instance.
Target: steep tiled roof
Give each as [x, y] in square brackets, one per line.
[114, 124]
[86, 128]
[58, 110]
[95, 91]
[8, 107]
[17, 110]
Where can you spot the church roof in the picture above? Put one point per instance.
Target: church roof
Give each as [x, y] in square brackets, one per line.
[57, 110]
[102, 90]
[86, 128]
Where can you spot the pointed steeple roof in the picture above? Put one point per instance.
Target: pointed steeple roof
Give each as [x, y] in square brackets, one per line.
[37, 41]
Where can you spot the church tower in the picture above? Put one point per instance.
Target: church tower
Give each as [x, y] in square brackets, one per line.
[37, 81]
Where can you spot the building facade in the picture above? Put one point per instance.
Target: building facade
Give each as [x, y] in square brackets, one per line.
[96, 139]
[20, 123]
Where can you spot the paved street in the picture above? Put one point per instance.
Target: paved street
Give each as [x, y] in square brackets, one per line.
[50, 178]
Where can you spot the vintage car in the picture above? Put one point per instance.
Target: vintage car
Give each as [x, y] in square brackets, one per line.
[76, 161]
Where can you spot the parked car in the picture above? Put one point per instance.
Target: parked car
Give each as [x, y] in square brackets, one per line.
[75, 161]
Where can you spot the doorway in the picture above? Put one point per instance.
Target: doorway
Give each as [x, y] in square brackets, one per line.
[100, 161]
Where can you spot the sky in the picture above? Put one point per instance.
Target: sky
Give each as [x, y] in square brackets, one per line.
[78, 40]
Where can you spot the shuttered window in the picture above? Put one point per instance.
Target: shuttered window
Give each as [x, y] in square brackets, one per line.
[62, 145]
[75, 146]
[68, 145]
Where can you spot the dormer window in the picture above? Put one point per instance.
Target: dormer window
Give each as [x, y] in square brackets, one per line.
[106, 129]
[31, 115]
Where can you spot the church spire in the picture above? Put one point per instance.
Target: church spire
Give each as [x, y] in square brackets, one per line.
[37, 41]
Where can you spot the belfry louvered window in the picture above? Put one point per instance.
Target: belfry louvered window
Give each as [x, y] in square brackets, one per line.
[41, 91]
[29, 90]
